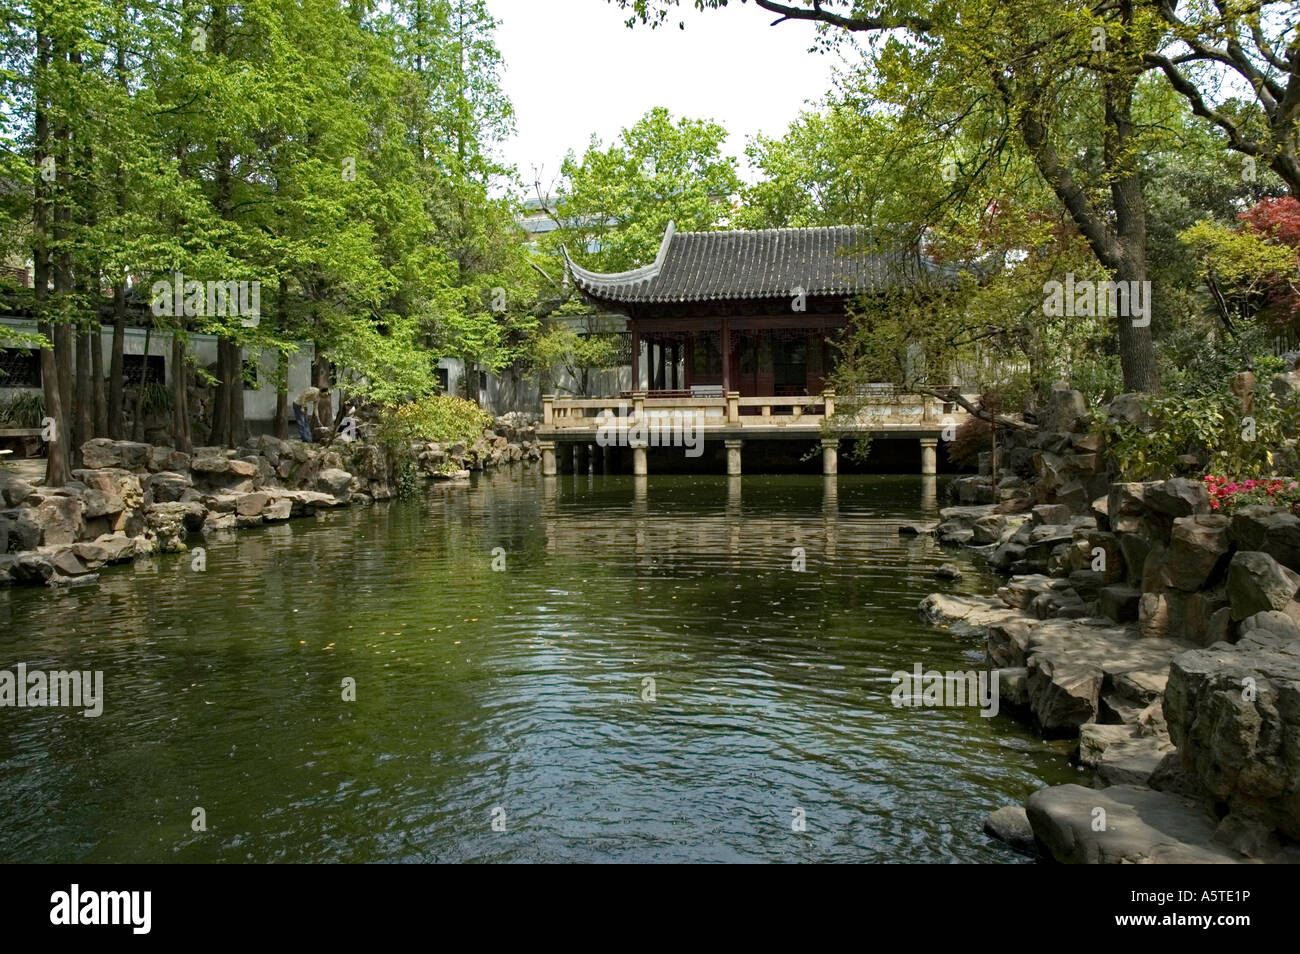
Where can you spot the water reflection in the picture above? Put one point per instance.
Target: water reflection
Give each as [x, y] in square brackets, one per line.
[519, 689]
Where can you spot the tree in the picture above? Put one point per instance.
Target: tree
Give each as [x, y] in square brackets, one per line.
[613, 206]
[338, 158]
[1253, 270]
[1064, 77]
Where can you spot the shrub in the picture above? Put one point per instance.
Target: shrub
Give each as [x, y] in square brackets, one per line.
[22, 410]
[402, 428]
[1228, 494]
[1211, 427]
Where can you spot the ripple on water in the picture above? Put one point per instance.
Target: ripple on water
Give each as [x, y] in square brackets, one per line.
[520, 690]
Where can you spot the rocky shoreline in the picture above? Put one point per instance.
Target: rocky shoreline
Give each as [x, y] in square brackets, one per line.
[1165, 637]
[132, 499]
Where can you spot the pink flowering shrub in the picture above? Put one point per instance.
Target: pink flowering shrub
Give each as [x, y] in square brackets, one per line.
[1228, 494]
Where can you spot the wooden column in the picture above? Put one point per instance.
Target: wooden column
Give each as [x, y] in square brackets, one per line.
[636, 358]
[724, 340]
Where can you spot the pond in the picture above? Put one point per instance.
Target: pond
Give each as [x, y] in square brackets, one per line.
[591, 668]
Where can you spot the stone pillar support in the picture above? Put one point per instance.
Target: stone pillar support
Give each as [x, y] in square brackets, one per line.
[929, 455]
[733, 457]
[830, 456]
[639, 467]
[548, 457]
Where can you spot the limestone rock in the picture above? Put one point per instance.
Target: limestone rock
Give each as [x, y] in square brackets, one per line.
[252, 505]
[281, 508]
[101, 453]
[1063, 694]
[335, 482]
[1178, 497]
[1119, 602]
[1010, 824]
[169, 523]
[167, 486]
[1142, 826]
[963, 612]
[1257, 582]
[32, 567]
[1268, 530]
[1234, 714]
[1124, 754]
[60, 519]
[15, 491]
[1198, 547]
[110, 548]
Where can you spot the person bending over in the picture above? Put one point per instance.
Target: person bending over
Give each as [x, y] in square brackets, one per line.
[305, 406]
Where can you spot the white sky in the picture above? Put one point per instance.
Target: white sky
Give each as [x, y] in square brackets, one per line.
[572, 68]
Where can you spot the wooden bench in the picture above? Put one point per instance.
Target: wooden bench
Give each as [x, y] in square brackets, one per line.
[707, 391]
[28, 440]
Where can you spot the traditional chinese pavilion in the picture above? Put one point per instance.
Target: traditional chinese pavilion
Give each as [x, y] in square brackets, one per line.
[733, 332]
[749, 312]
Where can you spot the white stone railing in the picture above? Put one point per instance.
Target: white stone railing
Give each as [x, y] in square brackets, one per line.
[876, 410]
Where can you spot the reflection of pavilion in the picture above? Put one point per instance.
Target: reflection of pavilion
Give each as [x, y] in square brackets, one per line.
[650, 532]
[732, 333]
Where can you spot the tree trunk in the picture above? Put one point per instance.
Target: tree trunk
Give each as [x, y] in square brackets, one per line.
[282, 397]
[1121, 248]
[97, 385]
[1137, 354]
[220, 400]
[281, 366]
[65, 358]
[180, 396]
[116, 409]
[137, 419]
[85, 392]
[238, 429]
[57, 469]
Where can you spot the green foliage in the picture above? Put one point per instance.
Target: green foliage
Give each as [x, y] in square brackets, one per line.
[579, 353]
[621, 198]
[1197, 363]
[22, 410]
[1212, 427]
[443, 419]
[341, 155]
[154, 398]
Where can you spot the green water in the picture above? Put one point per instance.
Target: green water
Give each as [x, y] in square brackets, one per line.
[517, 695]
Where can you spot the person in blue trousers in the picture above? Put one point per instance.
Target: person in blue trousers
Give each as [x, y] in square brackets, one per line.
[305, 406]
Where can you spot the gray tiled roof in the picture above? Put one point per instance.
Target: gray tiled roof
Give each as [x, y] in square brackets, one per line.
[770, 263]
